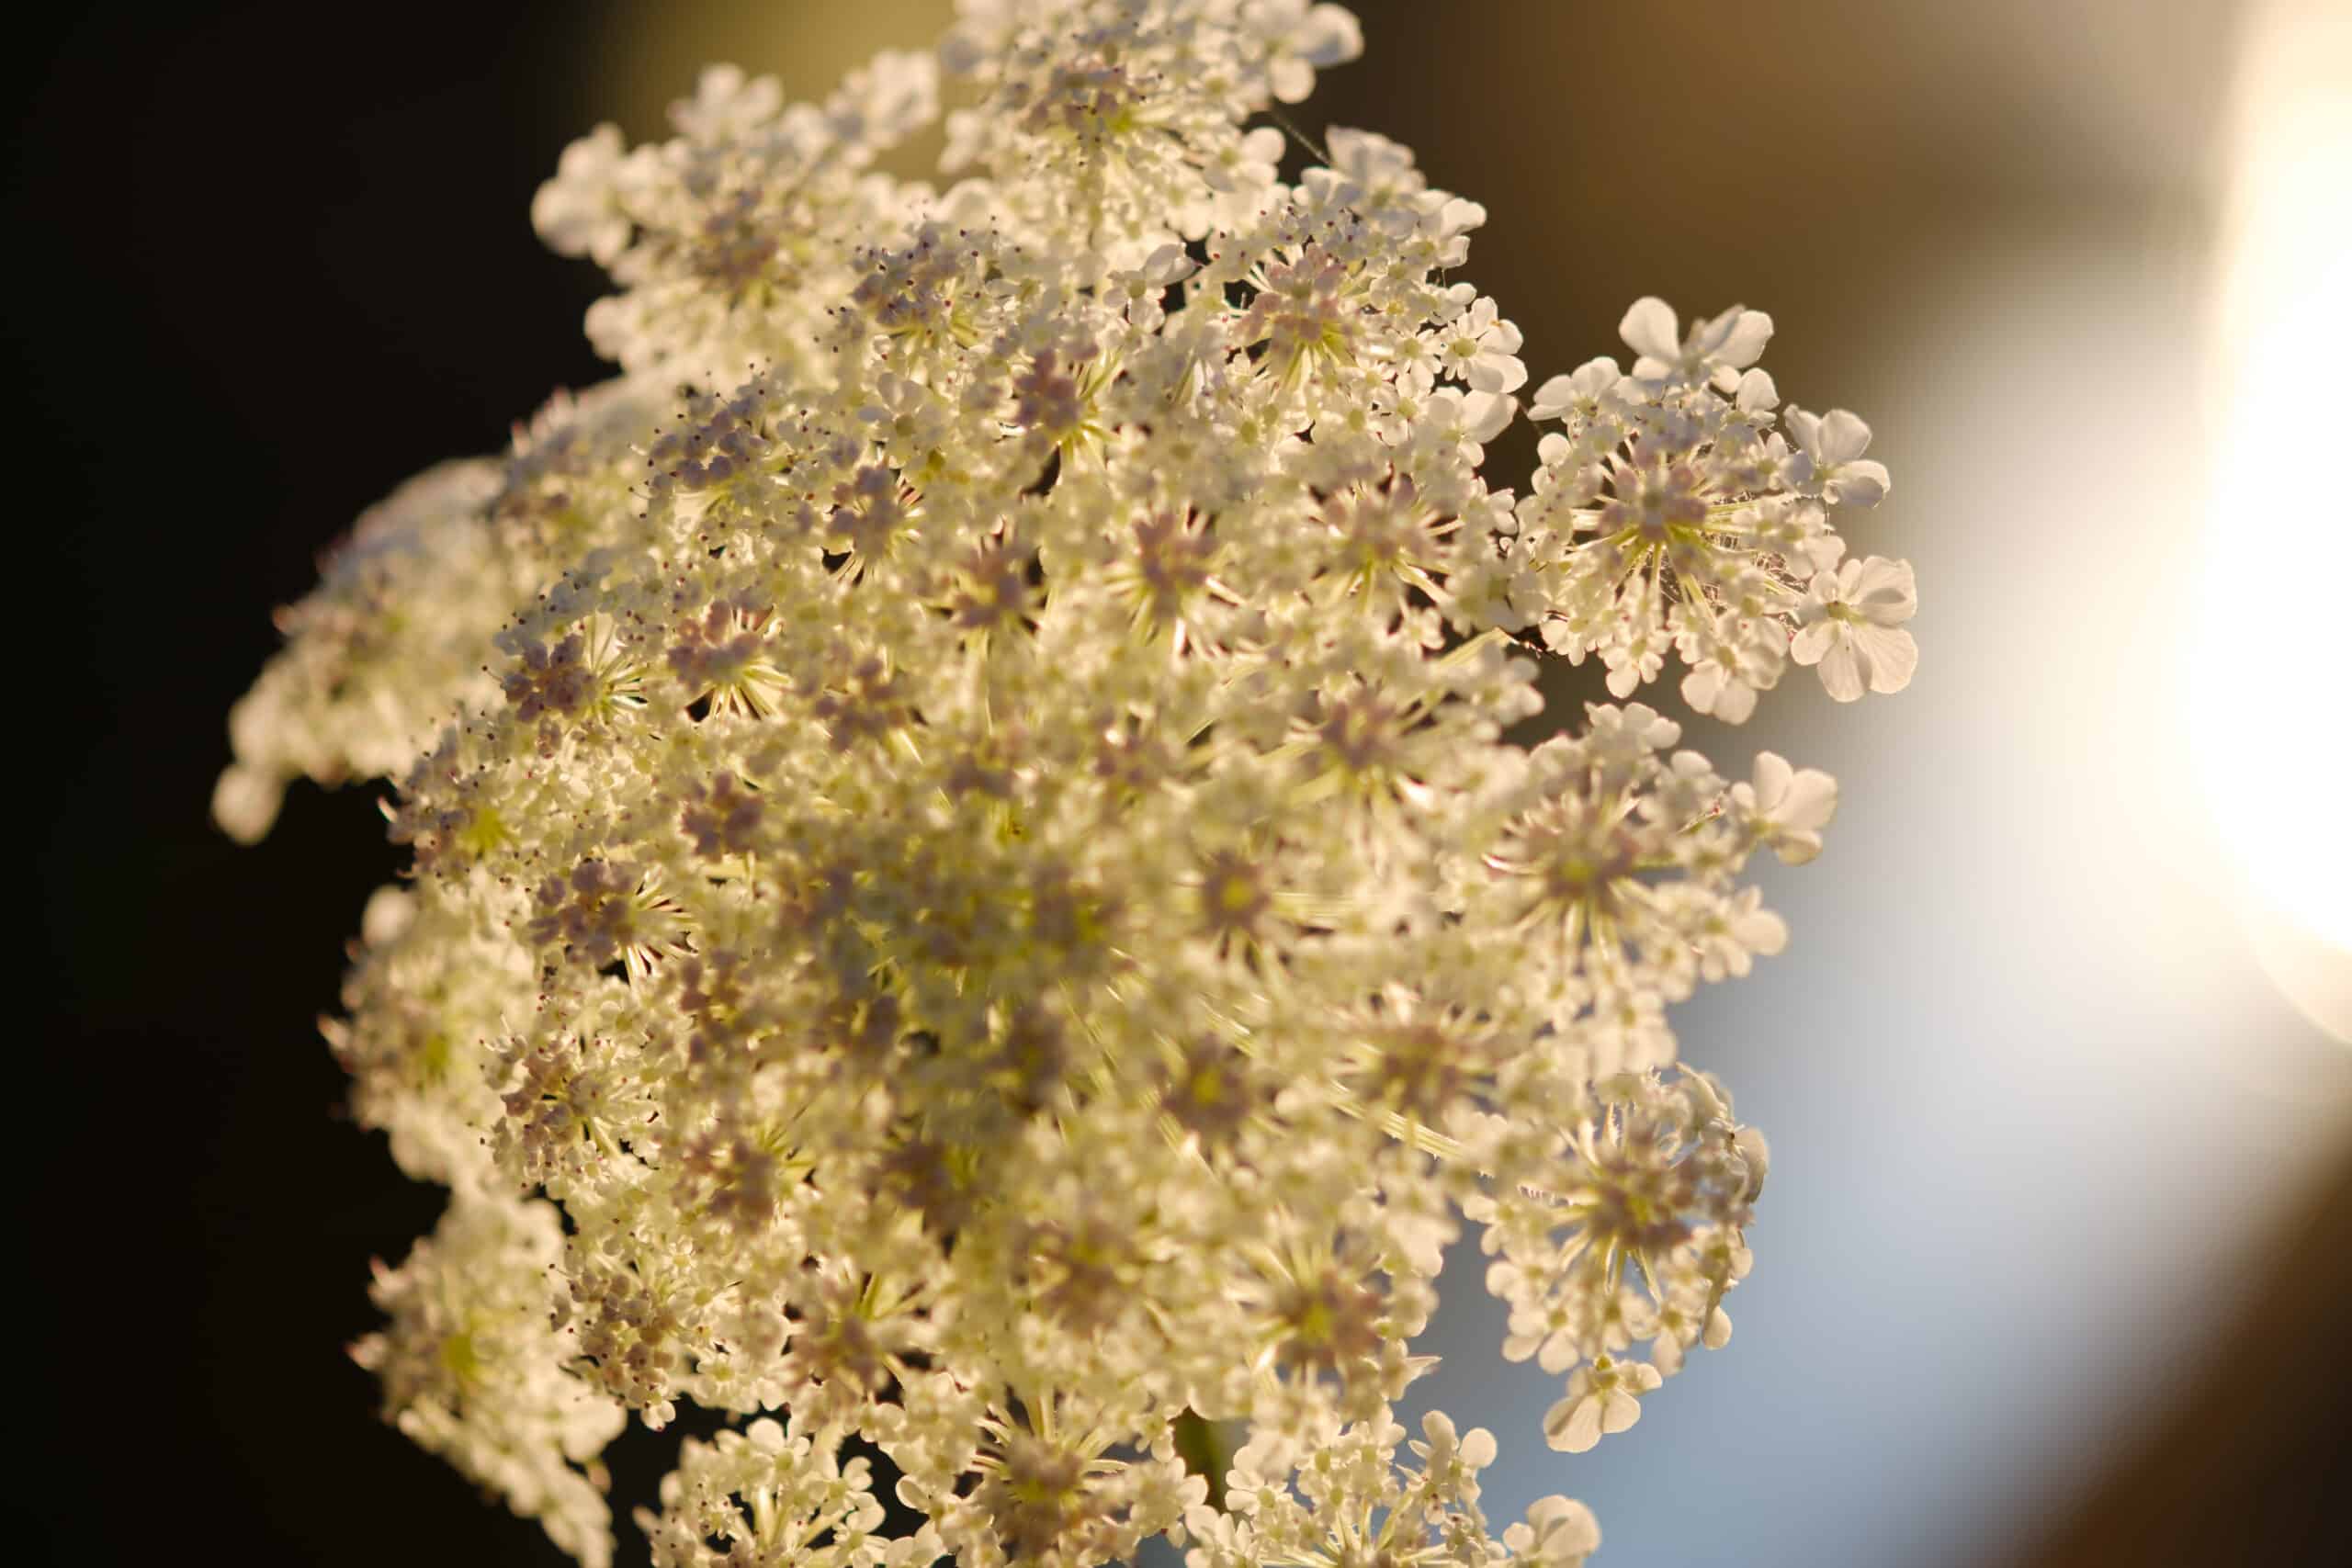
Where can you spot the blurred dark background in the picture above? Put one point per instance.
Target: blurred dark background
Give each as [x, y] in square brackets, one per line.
[2052, 1265]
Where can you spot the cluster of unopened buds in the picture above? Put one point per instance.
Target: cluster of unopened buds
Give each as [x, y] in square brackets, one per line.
[974, 905]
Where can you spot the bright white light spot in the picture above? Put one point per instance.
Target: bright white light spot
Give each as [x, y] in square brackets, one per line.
[2274, 665]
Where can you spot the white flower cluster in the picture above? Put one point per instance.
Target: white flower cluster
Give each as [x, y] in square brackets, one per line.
[963, 837]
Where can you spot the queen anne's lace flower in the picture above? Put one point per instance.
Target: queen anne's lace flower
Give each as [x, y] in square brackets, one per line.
[476, 1368]
[961, 833]
[1708, 534]
[763, 1498]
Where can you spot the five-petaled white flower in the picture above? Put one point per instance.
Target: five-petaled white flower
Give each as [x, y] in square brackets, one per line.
[1851, 627]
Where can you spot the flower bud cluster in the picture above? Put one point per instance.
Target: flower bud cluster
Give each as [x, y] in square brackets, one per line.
[964, 835]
